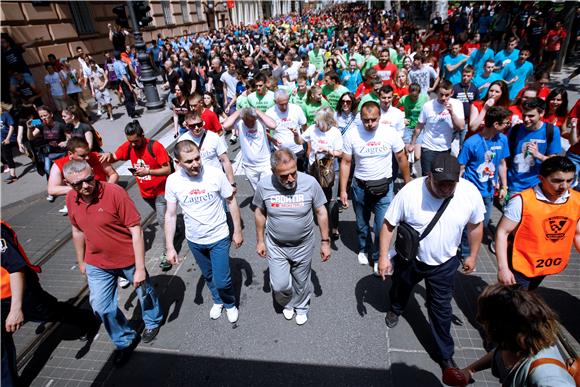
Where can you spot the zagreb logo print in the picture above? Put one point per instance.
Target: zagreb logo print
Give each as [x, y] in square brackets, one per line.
[556, 227]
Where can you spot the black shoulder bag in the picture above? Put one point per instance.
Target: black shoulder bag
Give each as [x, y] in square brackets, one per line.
[407, 242]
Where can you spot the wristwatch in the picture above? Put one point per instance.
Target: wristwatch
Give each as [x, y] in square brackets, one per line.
[234, 185]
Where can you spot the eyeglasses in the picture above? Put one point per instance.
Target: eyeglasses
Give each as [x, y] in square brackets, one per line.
[79, 184]
[194, 125]
[346, 101]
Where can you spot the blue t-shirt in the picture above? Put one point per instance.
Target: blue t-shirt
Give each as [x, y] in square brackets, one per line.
[501, 56]
[351, 80]
[482, 158]
[120, 69]
[6, 121]
[523, 71]
[478, 58]
[525, 168]
[455, 75]
[479, 81]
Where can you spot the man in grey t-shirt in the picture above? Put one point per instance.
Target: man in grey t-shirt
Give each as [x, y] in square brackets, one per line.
[288, 199]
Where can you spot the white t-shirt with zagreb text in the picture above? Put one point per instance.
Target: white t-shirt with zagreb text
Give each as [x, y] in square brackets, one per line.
[201, 199]
[438, 132]
[212, 148]
[372, 150]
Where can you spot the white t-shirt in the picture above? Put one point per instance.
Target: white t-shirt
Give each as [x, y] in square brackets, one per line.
[292, 71]
[201, 199]
[293, 117]
[212, 148]
[415, 205]
[394, 118]
[253, 144]
[329, 140]
[372, 150]
[438, 132]
[231, 82]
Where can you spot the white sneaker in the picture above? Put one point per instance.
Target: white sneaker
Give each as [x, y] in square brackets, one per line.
[123, 282]
[232, 314]
[288, 313]
[376, 269]
[99, 112]
[301, 319]
[50, 198]
[363, 258]
[233, 139]
[63, 210]
[215, 311]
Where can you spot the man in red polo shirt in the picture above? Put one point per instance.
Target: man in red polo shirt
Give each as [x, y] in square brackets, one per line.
[150, 165]
[108, 239]
[78, 149]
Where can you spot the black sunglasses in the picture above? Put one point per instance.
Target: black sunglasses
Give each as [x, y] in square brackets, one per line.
[79, 184]
[195, 125]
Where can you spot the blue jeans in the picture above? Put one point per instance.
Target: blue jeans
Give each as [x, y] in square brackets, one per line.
[214, 262]
[364, 204]
[103, 298]
[465, 249]
[427, 157]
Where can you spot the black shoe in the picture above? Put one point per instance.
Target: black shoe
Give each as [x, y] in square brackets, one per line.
[449, 363]
[90, 332]
[149, 334]
[391, 319]
[121, 356]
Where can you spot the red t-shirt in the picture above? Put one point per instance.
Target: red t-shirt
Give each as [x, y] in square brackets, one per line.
[105, 223]
[469, 47]
[554, 119]
[93, 161]
[150, 186]
[554, 39]
[362, 89]
[211, 121]
[386, 73]
[436, 46]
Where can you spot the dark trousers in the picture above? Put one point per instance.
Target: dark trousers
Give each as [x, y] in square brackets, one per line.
[8, 155]
[439, 289]
[38, 305]
[129, 99]
[427, 157]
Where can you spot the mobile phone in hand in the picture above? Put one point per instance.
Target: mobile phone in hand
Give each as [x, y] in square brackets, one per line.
[132, 170]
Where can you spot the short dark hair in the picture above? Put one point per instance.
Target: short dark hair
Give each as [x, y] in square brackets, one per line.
[184, 146]
[132, 128]
[333, 75]
[386, 89]
[445, 84]
[468, 69]
[414, 87]
[75, 143]
[556, 164]
[496, 114]
[370, 103]
[534, 104]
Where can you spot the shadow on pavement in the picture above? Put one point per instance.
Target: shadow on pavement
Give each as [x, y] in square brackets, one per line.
[564, 304]
[182, 370]
[348, 235]
[467, 290]
[374, 292]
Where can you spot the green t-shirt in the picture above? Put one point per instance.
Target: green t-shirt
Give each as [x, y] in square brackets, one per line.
[369, 63]
[413, 109]
[358, 57]
[311, 109]
[317, 59]
[333, 95]
[298, 98]
[261, 102]
[368, 97]
[242, 102]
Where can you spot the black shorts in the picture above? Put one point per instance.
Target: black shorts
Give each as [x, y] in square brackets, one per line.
[551, 55]
[114, 85]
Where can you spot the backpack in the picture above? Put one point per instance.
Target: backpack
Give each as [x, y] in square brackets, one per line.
[514, 134]
[150, 150]
[572, 365]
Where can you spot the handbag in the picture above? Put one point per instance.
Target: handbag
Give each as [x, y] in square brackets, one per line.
[323, 171]
[407, 242]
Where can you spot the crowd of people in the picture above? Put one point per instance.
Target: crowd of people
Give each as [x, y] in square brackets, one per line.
[426, 129]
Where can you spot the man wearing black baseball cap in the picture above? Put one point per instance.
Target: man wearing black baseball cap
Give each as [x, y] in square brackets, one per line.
[460, 205]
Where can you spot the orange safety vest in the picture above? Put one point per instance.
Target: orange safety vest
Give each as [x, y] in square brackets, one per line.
[544, 237]
[5, 290]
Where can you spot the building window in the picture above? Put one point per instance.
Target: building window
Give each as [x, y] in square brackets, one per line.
[185, 11]
[167, 12]
[199, 11]
[82, 17]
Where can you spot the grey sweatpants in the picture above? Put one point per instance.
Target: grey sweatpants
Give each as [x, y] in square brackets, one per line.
[290, 273]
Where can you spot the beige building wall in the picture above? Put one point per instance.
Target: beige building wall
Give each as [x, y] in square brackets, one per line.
[52, 27]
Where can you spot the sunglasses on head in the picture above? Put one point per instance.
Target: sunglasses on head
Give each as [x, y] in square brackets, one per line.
[79, 184]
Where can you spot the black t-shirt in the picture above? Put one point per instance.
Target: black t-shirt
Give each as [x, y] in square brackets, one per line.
[80, 131]
[218, 85]
[118, 41]
[466, 95]
[51, 136]
[180, 109]
[188, 78]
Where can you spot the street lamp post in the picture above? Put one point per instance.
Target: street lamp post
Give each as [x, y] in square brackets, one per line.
[148, 77]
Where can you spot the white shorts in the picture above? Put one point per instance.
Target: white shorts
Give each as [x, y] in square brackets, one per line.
[103, 97]
[255, 173]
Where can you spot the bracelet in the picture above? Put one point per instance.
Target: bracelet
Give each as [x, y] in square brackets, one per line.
[325, 240]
